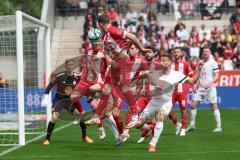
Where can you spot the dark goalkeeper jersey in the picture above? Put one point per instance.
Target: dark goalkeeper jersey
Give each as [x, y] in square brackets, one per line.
[64, 83]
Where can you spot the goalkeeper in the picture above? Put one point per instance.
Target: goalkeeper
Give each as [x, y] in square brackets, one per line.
[65, 82]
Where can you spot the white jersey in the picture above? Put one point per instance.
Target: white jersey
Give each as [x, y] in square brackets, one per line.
[207, 72]
[166, 82]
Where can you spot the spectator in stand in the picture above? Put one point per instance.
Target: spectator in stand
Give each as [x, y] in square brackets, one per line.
[112, 4]
[162, 6]
[144, 14]
[176, 28]
[92, 3]
[3, 82]
[235, 21]
[182, 35]
[216, 46]
[172, 40]
[123, 5]
[194, 37]
[149, 5]
[186, 51]
[228, 52]
[171, 6]
[226, 36]
[113, 15]
[154, 27]
[151, 17]
[219, 60]
[142, 35]
[194, 51]
[163, 44]
[141, 24]
[162, 32]
[237, 48]
[204, 34]
[236, 61]
[154, 40]
[215, 32]
[131, 17]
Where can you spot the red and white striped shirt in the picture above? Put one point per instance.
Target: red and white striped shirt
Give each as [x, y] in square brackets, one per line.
[185, 68]
[114, 39]
[92, 68]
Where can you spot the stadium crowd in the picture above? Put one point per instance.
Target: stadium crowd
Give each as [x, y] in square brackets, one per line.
[224, 42]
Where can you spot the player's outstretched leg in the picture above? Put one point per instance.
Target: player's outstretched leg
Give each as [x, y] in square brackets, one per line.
[50, 129]
[217, 117]
[173, 118]
[192, 116]
[85, 138]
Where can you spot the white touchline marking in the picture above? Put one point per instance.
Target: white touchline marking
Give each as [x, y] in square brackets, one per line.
[26, 157]
[32, 140]
[169, 153]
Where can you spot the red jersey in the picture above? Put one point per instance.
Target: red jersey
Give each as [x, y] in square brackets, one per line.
[185, 68]
[92, 67]
[114, 39]
[145, 89]
[137, 64]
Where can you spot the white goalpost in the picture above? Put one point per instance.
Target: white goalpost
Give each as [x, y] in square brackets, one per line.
[25, 63]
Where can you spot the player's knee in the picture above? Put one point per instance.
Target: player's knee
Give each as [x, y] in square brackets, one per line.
[106, 90]
[214, 106]
[161, 116]
[125, 88]
[194, 105]
[116, 112]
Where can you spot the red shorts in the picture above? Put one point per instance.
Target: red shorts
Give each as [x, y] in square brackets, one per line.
[121, 74]
[117, 97]
[107, 79]
[83, 87]
[181, 98]
[142, 102]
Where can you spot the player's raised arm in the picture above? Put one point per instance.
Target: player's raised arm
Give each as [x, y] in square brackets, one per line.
[45, 101]
[194, 79]
[136, 42]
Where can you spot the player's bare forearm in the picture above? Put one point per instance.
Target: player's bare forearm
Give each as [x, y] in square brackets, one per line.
[135, 41]
[194, 79]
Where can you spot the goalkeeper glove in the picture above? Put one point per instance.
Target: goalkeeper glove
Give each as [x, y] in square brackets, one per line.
[45, 100]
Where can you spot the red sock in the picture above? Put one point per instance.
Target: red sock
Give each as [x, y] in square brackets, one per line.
[172, 117]
[78, 105]
[102, 104]
[128, 115]
[184, 115]
[119, 123]
[132, 102]
[117, 97]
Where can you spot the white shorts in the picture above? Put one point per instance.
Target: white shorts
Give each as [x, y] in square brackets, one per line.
[210, 94]
[154, 106]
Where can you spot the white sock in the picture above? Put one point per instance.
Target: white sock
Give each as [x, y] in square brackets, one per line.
[146, 127]
[217, 116]
[111, 124]
[157, 132]
[193, 117]
[134, 118]
[100, 128]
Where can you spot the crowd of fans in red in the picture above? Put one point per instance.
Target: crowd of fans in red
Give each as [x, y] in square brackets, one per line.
[224, 41]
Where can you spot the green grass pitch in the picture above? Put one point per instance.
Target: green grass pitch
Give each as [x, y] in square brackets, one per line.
[200, 144]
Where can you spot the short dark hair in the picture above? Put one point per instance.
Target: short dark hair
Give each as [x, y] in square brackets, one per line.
[104, 18]
[151, 47]
[177, 48]
[168, 55]
[69, 60]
